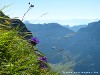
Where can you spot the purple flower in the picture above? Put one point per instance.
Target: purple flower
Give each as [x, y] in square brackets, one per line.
[34, 41]
[42, 65]
[42, 59]
[39, 58]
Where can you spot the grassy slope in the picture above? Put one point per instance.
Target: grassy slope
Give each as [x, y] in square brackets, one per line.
[17, 57]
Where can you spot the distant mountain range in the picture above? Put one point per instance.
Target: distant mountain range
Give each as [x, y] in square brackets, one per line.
[76, 27]
[86, 43]
[83, 45]
[70, 22]
[51, 36]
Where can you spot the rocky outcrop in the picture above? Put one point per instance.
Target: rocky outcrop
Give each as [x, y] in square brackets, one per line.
[15, 23]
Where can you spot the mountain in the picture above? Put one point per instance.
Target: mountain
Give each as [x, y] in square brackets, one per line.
[53, 30]
[64, 21]
[86, 43]
[83, 45]
[52, 38]
[76, 27]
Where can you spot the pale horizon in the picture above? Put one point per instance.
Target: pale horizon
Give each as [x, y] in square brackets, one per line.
[70, 22]
[53, 10]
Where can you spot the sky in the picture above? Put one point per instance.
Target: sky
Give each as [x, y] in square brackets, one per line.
[60, 11]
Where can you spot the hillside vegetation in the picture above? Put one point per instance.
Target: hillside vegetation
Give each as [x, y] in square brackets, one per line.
[17, 55]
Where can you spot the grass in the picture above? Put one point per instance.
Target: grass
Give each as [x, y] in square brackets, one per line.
[17, 56]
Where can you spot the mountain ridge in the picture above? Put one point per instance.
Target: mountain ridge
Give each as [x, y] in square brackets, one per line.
[84, 42]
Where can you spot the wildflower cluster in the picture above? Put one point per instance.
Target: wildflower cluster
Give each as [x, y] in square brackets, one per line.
[42, 59]
[34, 41]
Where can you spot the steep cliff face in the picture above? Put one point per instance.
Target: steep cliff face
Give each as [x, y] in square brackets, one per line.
[86, 39]
[21, 28]
[3, 15]
[86, 43]
[15, 23]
